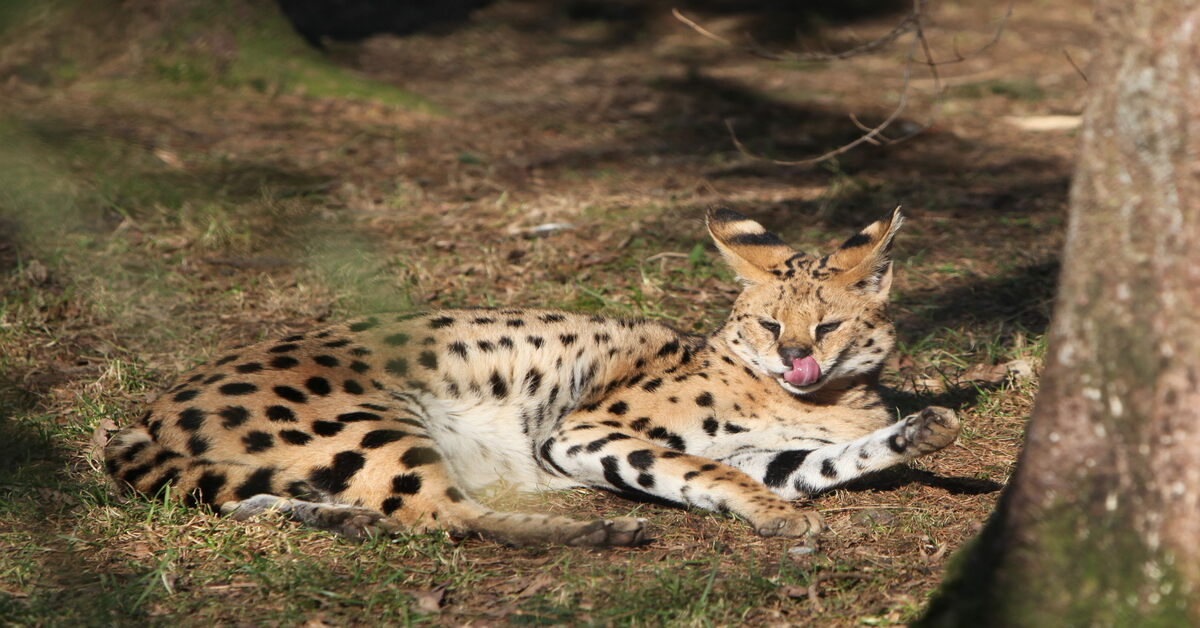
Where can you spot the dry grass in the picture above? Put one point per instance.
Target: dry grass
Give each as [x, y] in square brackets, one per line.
[150, 214]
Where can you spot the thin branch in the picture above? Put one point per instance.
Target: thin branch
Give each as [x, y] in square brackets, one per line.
[913, 22]
[1075, 65]
[866, 137]
[699, 29]
[903, 26]
[933, 71]
[863, 127]
[959, 57]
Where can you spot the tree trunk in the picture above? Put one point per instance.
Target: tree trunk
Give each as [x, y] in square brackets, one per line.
[1101, 522]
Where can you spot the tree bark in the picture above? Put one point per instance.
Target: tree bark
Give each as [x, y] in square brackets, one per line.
[1101, 522]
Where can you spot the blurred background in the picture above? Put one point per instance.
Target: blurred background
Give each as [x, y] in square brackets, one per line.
[182, 175]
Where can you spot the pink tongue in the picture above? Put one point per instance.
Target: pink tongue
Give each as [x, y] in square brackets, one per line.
[804, 372]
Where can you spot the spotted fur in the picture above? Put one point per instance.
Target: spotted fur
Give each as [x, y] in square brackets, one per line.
[397, 421]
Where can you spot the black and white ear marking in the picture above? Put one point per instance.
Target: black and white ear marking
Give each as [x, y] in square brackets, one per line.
[747, 246]
[864, 262]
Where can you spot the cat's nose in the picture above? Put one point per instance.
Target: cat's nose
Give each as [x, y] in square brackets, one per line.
[791, 354]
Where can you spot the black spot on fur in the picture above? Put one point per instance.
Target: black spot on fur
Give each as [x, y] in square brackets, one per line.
[326, 360]
[296, 437]
[599, 443]
[619, 408]
[640, 423]
[406, 484]
[454, 495]
[552, 318]
[669, 348]
[440, 322]
[352, 387]
[514, 322]
[258, 441]
[536, 341]
[318, 386]
[133, 474]
[378, 438]
[168, 477]
[351, 417]
[281, 414]
[198, 444]
[165, 455]
[335, 477]
[641, 459]
[212, 379]
[533, 381]
[207, 488]
[249, 367]
[612, 475]
[290, 394]
[418, 456]
[827, 468]
[303, 490]
[506, 342]
[483, 320]
[645, 480]
[732, 428]
[897, 443]
[284, 362]
[327, 428]
[391, 505]
[710, 426]
[782, 466]
[283, 348]
[428, 360]
[186, 395]
[233, 416]
[673, 440]
[704, 400]
[567, 339]
[364, 325]
[499, 386]
[358, 366]
[652, 385]
[129, 454]
[226, 360]
[191, 419]
[397, 367]
[237, 388]
[458, 348]
[340, 342]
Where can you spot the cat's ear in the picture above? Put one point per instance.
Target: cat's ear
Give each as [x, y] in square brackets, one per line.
[863, 263]
[748, 248]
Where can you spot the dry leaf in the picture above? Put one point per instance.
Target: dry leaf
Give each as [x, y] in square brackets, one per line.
[999, 373]
[318, 621]
[793, 590]
[429, 600]
[169, 158]
[100, 438]
[36, 273]
[536, 584]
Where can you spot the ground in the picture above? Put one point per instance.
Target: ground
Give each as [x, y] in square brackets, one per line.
[171, 184]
